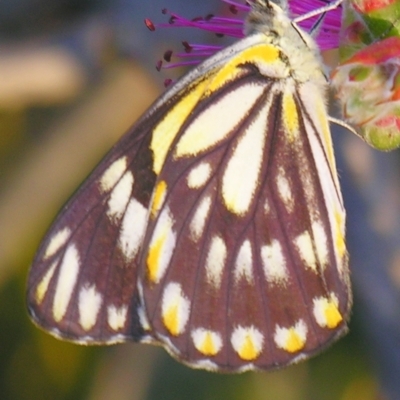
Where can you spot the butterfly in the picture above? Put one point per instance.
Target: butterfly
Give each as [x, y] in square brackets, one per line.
[215, 227]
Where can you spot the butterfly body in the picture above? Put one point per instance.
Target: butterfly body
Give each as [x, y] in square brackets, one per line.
[216, 226]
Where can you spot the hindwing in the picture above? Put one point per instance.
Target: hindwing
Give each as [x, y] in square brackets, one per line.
[243, 263]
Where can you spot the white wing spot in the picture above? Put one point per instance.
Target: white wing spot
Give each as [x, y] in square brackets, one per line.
[326, 311]
[199, 218]
[267, 207]
[41, 288]
[291, 339]
[66, 281]
[274, 263]
[56, 242]
[309, 251]
[113, 174]
[241, 176]
[175, 308]
[206, 341]
[203, 133]
[144, 321]
[120, 196]
[284, 190]
[141, 312]
[247, 342]
[244, 263]
[321, 243]
[89, 304]
[215, 261]
[199, 175]
[161, 246]
[116, 317]
[306, 250]
[133, 228]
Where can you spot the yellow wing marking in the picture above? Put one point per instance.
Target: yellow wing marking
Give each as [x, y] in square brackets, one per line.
[294, 342]
[290, 116]
[260, 55]
[247, 342]
[165, 132]
[339, 239]
[293, 338]
[332, 315]
[326, 311]
[248, 350]
[175, 309]
[206, 341]
[154, 256]
[159, 196]
[324, 124]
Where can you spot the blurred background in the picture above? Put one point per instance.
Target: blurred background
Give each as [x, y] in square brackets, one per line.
[74, 75]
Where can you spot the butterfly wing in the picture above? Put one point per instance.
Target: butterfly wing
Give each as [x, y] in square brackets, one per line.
[82, 282]
[244, 264]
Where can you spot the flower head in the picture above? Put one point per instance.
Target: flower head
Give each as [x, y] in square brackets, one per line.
[367, 79]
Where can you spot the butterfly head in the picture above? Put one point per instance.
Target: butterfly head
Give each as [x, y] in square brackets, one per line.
[270, 3]
[268, 15]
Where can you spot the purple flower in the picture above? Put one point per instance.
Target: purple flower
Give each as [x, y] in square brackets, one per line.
[232, 25]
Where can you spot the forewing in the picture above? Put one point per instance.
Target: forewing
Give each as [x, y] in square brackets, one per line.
[244, 263]
[82, 283]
